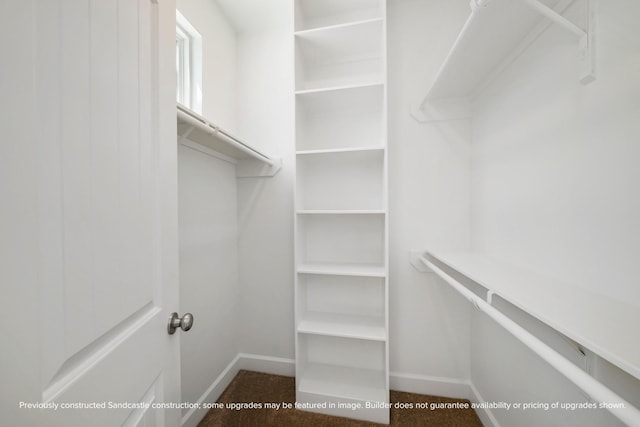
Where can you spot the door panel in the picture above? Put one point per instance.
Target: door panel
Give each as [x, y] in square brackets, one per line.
[103, 237]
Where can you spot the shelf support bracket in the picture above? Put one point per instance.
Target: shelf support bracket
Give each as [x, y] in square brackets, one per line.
[586, 37]
[441, 110]
[416, 262]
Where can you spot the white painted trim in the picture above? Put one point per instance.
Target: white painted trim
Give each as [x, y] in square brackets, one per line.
[267, 364]
[251, 362]
[192, 79]
[486, 416]
[412, 383]
[424, 384]
[194, 416]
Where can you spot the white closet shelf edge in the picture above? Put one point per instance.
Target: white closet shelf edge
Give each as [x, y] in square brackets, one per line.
[597, 322]
[202, 131]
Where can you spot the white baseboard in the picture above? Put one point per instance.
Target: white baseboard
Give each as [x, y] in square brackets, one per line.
[251, 362]
[434, 386]
[411, 383]
[486, 416]
[194, 416]
[267, 364]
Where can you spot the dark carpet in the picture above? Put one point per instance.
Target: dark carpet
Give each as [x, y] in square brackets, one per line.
[256, 387]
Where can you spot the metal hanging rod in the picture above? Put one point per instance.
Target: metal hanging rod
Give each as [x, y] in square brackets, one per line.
[202, 124]
[627, 413]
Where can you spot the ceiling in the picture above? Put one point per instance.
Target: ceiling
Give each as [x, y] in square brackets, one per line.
[252, 15]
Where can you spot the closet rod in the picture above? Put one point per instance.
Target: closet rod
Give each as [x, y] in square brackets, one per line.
[210, 129]
[628, 414]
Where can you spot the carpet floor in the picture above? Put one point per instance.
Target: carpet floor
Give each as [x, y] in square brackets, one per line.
[254, 387]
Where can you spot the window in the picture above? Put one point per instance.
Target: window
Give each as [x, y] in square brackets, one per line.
[188, 64]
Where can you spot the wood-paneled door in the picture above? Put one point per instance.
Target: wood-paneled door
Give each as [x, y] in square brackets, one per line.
[88, 225]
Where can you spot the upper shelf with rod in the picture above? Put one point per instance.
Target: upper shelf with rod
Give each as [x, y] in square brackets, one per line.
[497, 32]
[597, 322]
[605, 326]
[193, 128]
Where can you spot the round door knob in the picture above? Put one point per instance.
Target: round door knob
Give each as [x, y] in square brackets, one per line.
[185, 322]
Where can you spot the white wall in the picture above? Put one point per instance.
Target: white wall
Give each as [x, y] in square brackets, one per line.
[265, 205]
[555, 189]
[208, 218]
[428, 197]
[555, 168]
[208, 268]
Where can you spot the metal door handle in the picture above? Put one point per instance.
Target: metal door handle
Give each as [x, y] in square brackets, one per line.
[185, 323]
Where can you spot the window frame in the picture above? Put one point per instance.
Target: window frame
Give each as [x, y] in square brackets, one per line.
[188, 64]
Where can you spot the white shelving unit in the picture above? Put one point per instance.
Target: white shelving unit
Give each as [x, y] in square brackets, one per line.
[200, 134]
[341, 208]
[497, 32]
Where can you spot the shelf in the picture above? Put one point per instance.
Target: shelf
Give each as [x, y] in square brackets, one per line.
[196, 129]
[341, 212]
[340, 55]
[337, 150]
[351, 180]
[600, 324]
[315, 14]
[343, 325]
[340, 118]
[365, 385]
[363, 270]
[492, 37]
[351, 239]
[337, 90]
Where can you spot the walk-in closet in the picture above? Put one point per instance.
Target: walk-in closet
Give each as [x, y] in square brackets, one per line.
[354, 213]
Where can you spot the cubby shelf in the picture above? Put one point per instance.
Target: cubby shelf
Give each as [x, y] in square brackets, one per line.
[339, 90]
[339, 55]
[338, 150]
[343, 325]
[336, 27]
[346, 382]
[341, 180]
[341, 212]
[314, 14]
[340, 118]
[364, 270]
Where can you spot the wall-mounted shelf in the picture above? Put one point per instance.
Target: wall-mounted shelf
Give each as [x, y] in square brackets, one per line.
[601, 324]
[313, 14]
[496, 32]
[341, 212]
[339, 55]
[605, 326]
[199, 133]
[343, 325]
[344, 117]
[342, 269]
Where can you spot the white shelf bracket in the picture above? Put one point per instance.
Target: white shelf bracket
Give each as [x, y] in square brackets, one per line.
[253, 168]
[441, 110]
[186, 134]
[586, 37]
[417, 263]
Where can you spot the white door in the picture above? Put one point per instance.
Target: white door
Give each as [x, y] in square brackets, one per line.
[88, 227]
